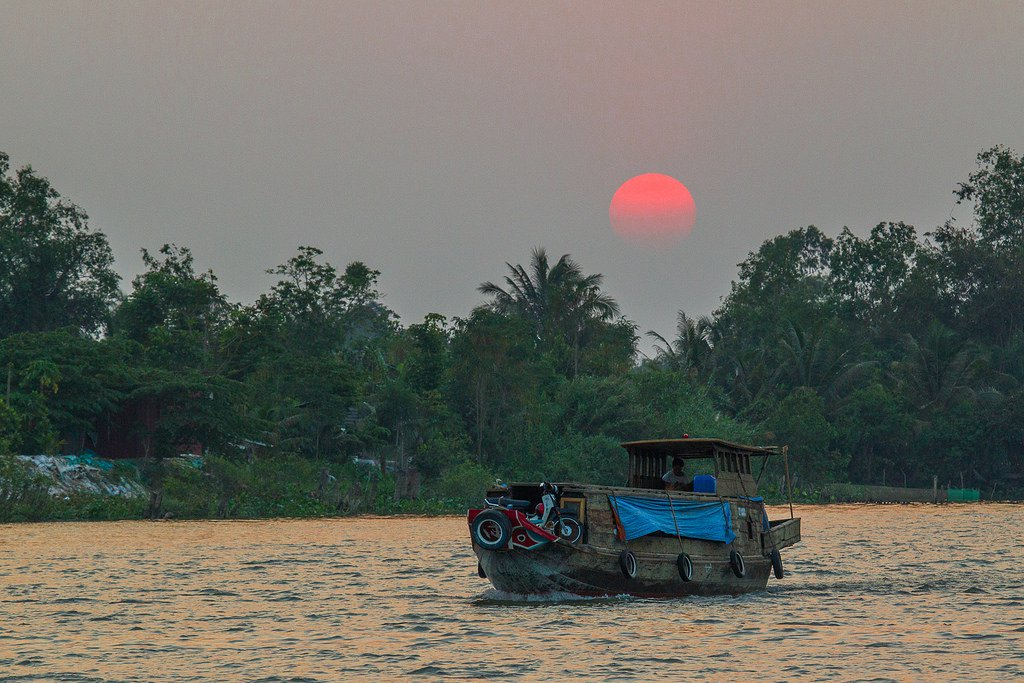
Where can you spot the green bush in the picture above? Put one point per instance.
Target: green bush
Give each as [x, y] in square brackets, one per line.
[93, 507]
[23, 493]
[282, 486]
[462, 486]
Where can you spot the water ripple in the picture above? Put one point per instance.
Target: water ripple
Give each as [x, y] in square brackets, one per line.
[875, 593]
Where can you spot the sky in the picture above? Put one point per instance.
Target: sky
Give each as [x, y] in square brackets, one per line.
[437, 140]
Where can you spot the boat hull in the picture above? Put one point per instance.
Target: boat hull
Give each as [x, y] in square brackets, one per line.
[590, 571]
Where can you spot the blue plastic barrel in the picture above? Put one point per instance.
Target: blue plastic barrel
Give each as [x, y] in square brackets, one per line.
[705, 483]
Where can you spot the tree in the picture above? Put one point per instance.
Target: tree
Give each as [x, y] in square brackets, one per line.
[668, 404]
[939, 368]
[748, 379]
[63, 386]
[428, 351]
[172, 310]
[55, 271]
[692, 350]
[410, 391]
[561, 303]
[321, 311]
[866, 277]
[183, 408]
[309, 353]
[607, 349]
[785, 279]
[494, 365]
[813, 357]
[874, 427]
[997, 190]
[978, 268]
[9, 421]
[800, 421]
[782, 287]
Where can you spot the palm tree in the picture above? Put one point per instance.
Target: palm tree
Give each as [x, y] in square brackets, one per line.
[748, 379]
[813, 358]
[693, 348]
[559, 300]
[939, 367]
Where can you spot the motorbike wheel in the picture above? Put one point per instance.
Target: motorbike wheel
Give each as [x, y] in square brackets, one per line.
[491, 530]
[570, 530]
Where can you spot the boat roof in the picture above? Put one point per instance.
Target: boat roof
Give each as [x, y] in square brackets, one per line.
[694, 448]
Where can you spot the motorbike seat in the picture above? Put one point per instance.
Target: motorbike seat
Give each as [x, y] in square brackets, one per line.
[510, 503]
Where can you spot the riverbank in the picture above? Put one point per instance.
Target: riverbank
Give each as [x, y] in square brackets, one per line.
[86, 488]
[72, 488]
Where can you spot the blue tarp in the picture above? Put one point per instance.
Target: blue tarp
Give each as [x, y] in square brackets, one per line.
[90, 459]
[642, 516]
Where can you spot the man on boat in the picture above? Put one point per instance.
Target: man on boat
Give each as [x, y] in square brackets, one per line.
[675, 479]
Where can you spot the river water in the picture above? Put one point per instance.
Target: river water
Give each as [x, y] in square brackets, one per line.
[874, 593]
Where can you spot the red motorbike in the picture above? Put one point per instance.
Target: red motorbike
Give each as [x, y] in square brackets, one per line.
[505, 524]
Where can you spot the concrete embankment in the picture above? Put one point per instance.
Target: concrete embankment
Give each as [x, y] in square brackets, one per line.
[857, 493]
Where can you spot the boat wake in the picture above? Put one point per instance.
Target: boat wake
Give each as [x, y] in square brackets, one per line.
[495, 597]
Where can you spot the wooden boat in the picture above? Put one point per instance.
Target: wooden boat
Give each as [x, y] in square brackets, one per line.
[639, 539]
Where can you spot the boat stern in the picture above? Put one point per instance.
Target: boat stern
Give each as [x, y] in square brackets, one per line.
[781, 534]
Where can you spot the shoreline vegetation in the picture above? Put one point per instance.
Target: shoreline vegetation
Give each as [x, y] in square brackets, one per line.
[193, 488]
[897, 357]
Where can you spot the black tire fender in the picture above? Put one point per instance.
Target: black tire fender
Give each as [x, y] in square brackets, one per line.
[777, 564]
[628, 564]
[685, 566]
[739, 567]
[491, 530]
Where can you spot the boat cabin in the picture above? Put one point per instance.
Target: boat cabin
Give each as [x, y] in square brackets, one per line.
[719, 467]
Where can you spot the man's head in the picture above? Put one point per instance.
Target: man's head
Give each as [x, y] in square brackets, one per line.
[677, 465]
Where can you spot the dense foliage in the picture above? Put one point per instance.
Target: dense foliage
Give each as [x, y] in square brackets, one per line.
[890, 358]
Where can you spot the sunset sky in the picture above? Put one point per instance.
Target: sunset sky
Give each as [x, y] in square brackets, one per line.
[437, 140]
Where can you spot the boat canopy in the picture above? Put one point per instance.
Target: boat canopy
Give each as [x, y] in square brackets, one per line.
[693, 448]
[649, 460]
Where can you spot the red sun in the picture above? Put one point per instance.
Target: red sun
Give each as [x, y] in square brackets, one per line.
[652, 208]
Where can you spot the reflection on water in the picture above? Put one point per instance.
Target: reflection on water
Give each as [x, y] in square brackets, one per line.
[873, 593]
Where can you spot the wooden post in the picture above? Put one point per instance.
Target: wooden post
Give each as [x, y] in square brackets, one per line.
[789, 482]
[935, 488]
